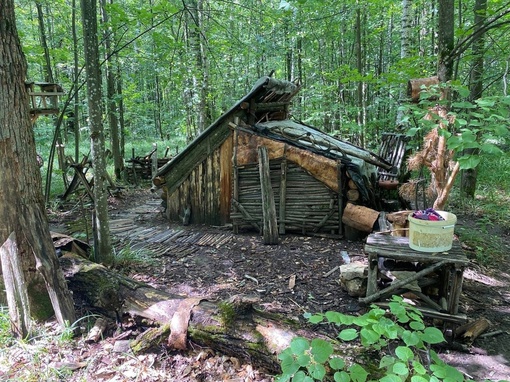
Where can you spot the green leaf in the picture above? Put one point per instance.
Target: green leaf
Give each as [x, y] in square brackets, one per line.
[404, 353]
[410, 338]
[386, 361]
[400, 368]
[432, 336]
[417, 325]
[390, 378]
[467, 162]
[358, 374]
[316, 371]
[321, 350]
[301, 376]
[288, 363]
[485, 102]
[490, 148]
[303, 360]
[348, 334]
[337, 318]
[341, 376]
[369, 336]
[463, 105]
[419, 368]
[418, 378]
[316, 318]
[336, 363]
[299, 345]
[413, 131]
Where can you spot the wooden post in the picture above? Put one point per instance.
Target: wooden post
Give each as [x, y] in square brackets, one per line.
[15, 288]
[235, 175]
[283, 195]
[154, 158]
[340, 198]
[270, 230]
[62, 163]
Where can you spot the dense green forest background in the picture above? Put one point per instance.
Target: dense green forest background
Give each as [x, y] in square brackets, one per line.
[170, 68]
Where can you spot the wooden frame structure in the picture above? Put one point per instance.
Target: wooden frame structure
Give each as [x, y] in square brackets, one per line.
[217, 176]
[43, 101]
[448, 265]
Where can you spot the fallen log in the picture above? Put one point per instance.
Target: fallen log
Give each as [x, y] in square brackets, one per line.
[232, 327]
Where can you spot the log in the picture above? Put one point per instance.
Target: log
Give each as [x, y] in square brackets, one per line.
[232, 327]
[353, 195]
[15, 287]
[270, 231]
[352, 185]
[472, 330]
[360, 217]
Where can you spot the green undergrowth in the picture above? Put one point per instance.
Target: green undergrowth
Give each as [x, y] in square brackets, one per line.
[484, 226]
[127, 256]
[398, 343]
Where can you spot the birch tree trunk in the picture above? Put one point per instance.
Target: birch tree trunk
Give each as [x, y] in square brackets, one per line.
[24, 224]
[102, 243]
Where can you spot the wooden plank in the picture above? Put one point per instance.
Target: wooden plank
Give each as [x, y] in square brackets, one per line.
[283, 196]
[246, 215]
[398, 249]
[270, 230]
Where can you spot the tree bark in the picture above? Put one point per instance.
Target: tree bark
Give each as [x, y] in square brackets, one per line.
[232, 327]
[102, 243]
[111, 104]
[469, 176]
[22, 208]
[445, 37]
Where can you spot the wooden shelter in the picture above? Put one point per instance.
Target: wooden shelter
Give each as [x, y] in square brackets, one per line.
[218, 179]
[43, 101]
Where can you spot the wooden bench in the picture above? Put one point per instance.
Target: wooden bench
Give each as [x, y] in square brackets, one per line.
[448, 265]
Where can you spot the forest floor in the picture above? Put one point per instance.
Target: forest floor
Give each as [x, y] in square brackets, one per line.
[214, 263]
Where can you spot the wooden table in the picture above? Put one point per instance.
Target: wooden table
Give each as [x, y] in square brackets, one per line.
[449, 265]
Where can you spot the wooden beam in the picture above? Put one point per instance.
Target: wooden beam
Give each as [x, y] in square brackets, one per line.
[270, 230]
[283, 196]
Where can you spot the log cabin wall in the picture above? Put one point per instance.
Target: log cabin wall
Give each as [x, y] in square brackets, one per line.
[205, 191]
[309, 206]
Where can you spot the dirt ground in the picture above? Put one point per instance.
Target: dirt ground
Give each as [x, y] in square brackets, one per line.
[212, 262]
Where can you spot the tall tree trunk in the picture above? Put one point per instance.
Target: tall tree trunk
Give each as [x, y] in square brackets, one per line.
[359, 66]
[445, 40]
[122, 124]
[102, 243]
[22, 212]
[443, 177]
[44, 44]
[405, 47]
[118, 162]
[76, 99]
[469, 177]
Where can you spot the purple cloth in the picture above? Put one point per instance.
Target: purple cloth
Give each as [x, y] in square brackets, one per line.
[428, 214]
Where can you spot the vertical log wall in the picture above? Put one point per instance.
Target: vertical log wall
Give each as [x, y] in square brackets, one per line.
[206, 190]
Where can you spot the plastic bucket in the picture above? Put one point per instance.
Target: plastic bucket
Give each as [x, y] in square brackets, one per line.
[432, 236]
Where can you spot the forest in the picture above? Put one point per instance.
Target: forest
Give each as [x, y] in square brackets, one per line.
[133, 75]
